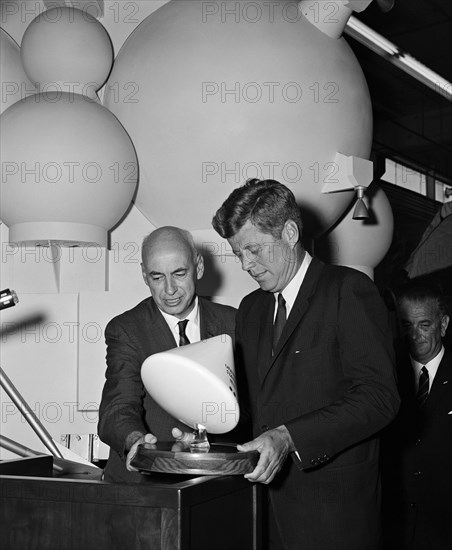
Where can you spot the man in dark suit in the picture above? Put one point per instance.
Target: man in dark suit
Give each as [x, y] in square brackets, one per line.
[128, 415]
[321, 387]
[417, 449]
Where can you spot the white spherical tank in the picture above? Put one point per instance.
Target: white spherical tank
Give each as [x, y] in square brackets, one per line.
[69, 169]
[67, 49]
[213, 93]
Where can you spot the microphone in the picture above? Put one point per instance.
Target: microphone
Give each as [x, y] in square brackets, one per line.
[8, 298]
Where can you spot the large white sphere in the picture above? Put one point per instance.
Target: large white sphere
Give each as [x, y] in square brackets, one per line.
[67, 49]
[69, 169]
[213, 93]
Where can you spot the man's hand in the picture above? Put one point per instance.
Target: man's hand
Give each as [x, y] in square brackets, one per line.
[274, 447]
[183, 439]
[147, 438]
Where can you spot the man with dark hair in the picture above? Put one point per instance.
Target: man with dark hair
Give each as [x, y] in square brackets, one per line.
[417, 449]
[316, 346]
[128, 415]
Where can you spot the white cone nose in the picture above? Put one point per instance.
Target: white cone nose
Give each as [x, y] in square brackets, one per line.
[196, 383]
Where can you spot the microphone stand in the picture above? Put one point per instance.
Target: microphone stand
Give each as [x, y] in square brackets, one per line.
[8, 298]
[28, 414]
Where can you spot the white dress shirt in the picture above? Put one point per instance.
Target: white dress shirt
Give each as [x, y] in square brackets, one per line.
[192, 330]
[431, 366]
[291, 291]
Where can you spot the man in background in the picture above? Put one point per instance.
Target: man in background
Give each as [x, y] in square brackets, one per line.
[174, 315]
[316, 347]
[417, 448]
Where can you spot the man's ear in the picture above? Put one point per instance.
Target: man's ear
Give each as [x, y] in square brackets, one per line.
[200, 267]
[291, 233]
[143, 273]
[444, 325]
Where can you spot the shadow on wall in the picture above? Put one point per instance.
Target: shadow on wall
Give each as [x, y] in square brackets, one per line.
[18, 327]
[212, 279]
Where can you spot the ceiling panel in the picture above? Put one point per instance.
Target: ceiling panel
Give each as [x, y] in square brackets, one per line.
[412, 123]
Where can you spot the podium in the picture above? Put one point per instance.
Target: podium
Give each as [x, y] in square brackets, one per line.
[164, 512]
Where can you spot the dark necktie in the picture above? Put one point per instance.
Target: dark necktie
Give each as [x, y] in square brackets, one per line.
[280, 320]
[183, 340]
[422, 392]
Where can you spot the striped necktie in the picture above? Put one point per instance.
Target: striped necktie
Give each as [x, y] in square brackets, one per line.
[183, 339]
[422, 392]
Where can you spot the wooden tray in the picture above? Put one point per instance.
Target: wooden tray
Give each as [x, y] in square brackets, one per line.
[220, 460]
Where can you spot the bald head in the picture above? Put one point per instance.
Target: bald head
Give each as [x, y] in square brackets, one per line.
[168, 237]
[170, 267]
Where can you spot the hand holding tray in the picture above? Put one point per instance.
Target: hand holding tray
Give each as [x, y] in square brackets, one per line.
[176, 458]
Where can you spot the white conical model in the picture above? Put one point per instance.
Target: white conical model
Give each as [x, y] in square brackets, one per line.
[196, 383]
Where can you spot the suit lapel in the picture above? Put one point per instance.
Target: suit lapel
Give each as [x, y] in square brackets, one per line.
[298, 311]
[264, 344]
[440, 382]
[209, 324]
[160, 327]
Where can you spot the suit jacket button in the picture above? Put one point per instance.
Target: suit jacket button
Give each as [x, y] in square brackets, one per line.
[265, 428]
[418, 442]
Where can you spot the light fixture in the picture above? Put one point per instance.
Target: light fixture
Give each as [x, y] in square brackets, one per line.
[360, 212]
[367, 36]
[385, 48]
[8, 298]
[352, 173]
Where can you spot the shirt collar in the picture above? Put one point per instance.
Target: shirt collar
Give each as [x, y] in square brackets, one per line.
[291, 291]
[431, 366]
[193, 316]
